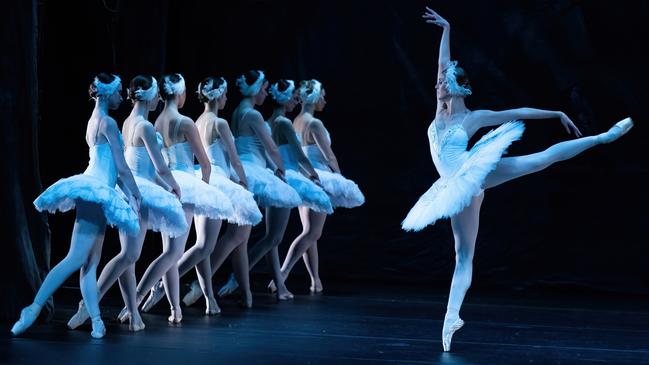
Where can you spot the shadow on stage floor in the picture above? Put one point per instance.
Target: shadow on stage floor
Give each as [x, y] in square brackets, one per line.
[355, 323]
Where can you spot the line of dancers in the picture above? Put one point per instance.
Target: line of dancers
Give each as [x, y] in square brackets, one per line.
[145, 179]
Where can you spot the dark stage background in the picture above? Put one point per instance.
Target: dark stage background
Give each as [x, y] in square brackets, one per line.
[579, 224]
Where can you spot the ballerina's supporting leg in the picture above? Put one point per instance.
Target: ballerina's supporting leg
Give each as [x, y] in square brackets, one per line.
[241, 272]
[465, 231]
[89, 289]
[312, 263]
[312, 224]
[89, 227]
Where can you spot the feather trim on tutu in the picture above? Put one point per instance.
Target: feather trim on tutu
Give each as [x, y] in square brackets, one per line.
[205, 199]
[268, 189]
[165, 212]
[343, 192]
[450, 195]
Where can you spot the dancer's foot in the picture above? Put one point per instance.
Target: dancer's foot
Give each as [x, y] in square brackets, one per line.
[272, 287]
[98, 328]
[176, 316]
[451, 325]
[283, 294]
[618, 130]
[316, 286]
[124, 315]
[157, 292]
[79, 318]
[212, 308]
[194, 293]
[246, 300]
[27, 317]
[230, 287]
[135, 322]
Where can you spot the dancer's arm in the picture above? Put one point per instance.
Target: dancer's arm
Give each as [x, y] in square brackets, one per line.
[444, 45]
[109, 129]
[486, 118]
[285, 127]
[319, 133]
[190, 131]
[228, 140]
[257, 125]
[148, 135]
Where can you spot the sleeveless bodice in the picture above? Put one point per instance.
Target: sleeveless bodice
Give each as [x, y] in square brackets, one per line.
[138, 160]
[316, 157]
[101, 164]
[179, 156]
[218, 157]
[250, 149]
[449, 149]
[288, 157]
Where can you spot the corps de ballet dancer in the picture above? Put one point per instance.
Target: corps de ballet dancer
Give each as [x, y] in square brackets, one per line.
[284, 98]
[97, 203]
[464, 175]
[181, 142]
[160, 209]
[343, 192]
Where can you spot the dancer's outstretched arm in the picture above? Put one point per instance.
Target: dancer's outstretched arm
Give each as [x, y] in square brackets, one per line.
[125, 179]
[484, 118]
[319, 133]
[227, 138]
[444, 46]
[148, 135]
[194, 138]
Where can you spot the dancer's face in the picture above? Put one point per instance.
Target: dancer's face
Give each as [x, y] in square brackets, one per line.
[262, 94]
[290, 105]
[116, 99]
[442, 88]
[223, 99]
[320, 104]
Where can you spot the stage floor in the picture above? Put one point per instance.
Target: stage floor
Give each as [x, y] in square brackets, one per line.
[359, 324]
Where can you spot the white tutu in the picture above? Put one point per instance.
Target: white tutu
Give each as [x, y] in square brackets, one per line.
[268, 189]
[203, 198]
[245, 207]
[449, 195]
[313, 196]
[165, 213]
[63, 194]
[344, 193]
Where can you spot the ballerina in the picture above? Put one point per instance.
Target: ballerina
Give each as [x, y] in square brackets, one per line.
[253, 142]
[343, 192]
[218, 142]
[97, 203]
[160, 210]
[464, 175]
[181, 142]
[313, 196]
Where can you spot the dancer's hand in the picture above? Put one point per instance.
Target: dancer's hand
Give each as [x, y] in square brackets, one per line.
[280, 173]
[569, 125]
[176, 191]
[134, 201]
[433, 18]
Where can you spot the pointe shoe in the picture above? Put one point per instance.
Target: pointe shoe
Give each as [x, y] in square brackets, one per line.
[79, 318]
[98, 328]
[176, 316]
[157, 292]
[285, 296]
[617, 130]
[124, 315]
[230, 287]
[246, 301]
[28, 316]
[316, 287]
[447, 333]
[136, 325]
[272, 287]
[212, 307]
[193, 295]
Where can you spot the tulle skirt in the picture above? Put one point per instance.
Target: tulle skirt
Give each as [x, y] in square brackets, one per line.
[165, 212]
[343, 192]
[449, 195]
[313, 196]
[64, 194]
[203, 198]
[268, 189]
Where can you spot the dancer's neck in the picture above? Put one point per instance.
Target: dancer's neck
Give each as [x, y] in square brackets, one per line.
[140, 109]
[455, 105]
